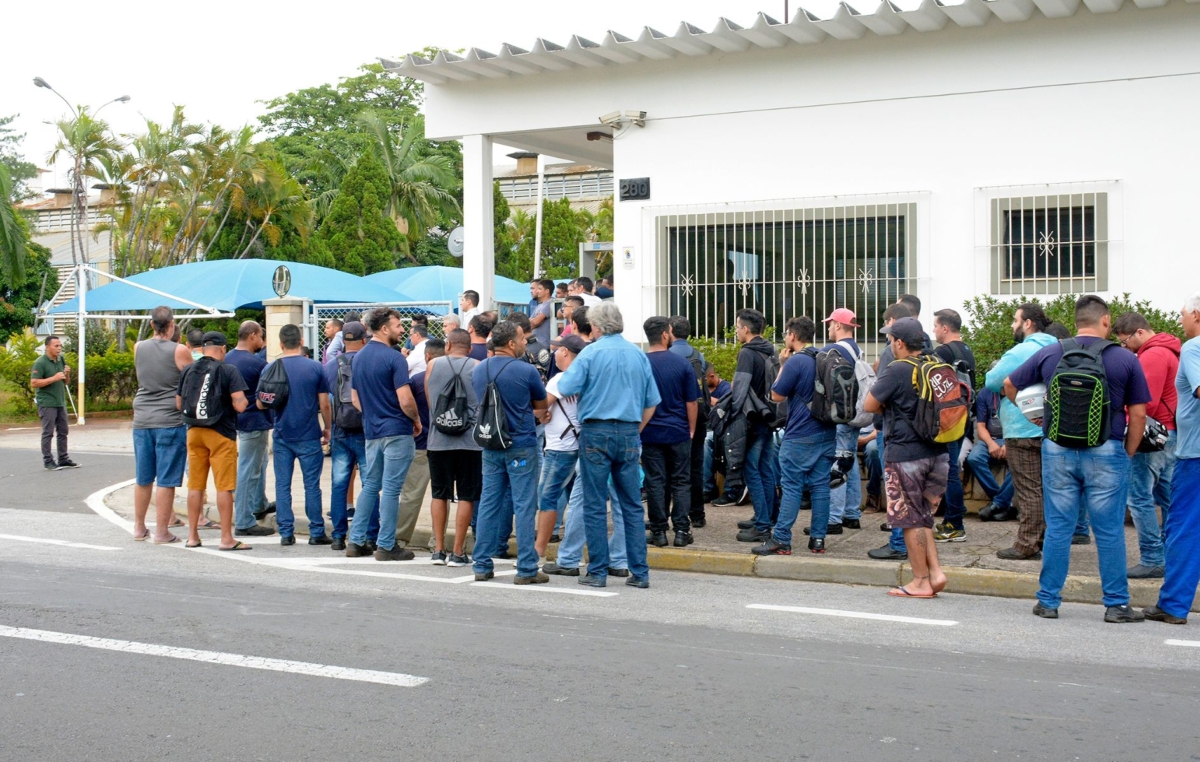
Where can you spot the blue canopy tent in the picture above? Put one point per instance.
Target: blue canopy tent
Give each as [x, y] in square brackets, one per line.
[436, 283]
[225, 285]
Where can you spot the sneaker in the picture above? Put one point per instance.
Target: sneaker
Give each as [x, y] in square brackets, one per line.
[772, 547]
[1142, 571]
[1081, 539]
[67, 463]
[887, 554]
[536, 579]
[320, 539]
[456, 559]
[683, 539]
[1158, 615]
[563, 571]
[51, 466]
[1012, 554]
[946, 533]
[396, 553]
[830, 529]
[438, 558]
[1123, 615]
[724, 501]
[1045, 612]
[752, 535]
[484, 577]
[817, 545]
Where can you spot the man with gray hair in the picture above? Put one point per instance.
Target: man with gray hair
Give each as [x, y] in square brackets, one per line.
[617, 398]
[450, 323]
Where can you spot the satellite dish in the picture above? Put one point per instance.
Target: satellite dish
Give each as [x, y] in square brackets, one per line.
[455, 242]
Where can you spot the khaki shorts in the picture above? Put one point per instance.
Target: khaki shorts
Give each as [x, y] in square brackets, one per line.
[208, 449]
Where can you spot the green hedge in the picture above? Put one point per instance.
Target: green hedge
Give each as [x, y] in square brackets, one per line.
[987, 321]
[111, 380]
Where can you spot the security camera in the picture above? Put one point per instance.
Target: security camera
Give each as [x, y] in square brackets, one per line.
[637, 117]
[612, 119]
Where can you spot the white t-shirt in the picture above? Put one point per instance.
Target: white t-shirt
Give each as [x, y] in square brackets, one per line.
[465, 317]
[558, 435]
[416, 359]
[590, 300]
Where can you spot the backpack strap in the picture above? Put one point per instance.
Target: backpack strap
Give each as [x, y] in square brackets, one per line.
[570, 428]
[857, 355]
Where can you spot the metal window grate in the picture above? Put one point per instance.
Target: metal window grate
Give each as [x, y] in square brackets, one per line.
[785, 259]
[320, 314]
[574, 186]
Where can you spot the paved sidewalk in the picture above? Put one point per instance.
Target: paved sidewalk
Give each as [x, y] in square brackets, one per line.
[971, 566]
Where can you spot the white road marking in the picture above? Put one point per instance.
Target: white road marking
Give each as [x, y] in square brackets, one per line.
[1187, 643]
[217, 657]
[854, 615]
[63, 543]
[546, 589]
[22, 428]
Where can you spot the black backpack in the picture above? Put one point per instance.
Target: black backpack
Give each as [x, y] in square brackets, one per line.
[835, 392]
[1077, 396]
[203, 393]
[766, 411]
[452, 413]
[273, 386]
[345, 415]
[491, 432]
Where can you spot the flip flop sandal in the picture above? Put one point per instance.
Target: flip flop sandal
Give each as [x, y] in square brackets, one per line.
[174, 539]
[208, 524]
[189, 545]
[176, 521]
[143, 538]
[902, 592]
[239, 546]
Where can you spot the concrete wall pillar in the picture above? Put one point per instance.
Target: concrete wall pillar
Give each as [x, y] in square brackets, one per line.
[479, 255]
[281, 312]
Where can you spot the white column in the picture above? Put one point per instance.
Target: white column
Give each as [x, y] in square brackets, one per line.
[479, 256]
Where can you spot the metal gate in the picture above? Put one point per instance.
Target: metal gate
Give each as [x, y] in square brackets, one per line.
[320, 314]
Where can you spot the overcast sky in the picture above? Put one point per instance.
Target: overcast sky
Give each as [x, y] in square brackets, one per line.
[219, 58]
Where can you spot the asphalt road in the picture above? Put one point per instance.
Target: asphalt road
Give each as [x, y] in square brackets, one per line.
[681, 671]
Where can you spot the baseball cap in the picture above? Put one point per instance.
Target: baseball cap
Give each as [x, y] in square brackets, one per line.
[843, 316]
[214, 339]
[908, 330]
[353, 331]
[573, 343]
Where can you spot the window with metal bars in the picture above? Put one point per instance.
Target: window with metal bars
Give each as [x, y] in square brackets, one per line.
[1049, 244]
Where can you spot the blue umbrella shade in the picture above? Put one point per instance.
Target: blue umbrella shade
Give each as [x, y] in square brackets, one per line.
[445, 284]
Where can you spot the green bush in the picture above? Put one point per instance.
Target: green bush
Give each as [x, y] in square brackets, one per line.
[987, 322]
[723, 355]
[16, 366]
[110, 379]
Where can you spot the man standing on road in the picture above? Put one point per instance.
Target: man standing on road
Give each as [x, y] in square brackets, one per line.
[1023, 438]
[1178, 590]
[617, 398]
[915, 468]
[947, 329]
[1151, 472]
[390, 418]
[667, 438]
[210, 396]
[347, 446]
[159, 434]
[254, 431]
[299, 435]
[845, 502]
[807, 454]
[49, 378]
[681, 329]
[1092, 478]
[750, 378]
[510, 476]
[896, 549]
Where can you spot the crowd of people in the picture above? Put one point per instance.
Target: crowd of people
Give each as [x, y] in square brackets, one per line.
[553, 436]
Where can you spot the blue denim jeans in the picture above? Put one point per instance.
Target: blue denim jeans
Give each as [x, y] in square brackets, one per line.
[1096, 477]
[805, 464]
[312, 462]
[1149, 486]
[558, 470]
[845, 502]
[612, 449]
[980, 463]
[510, 484]
[570, 551]
[761, 472]
[896, 540]
[956, 506]
[250, 496]
[347, 451]
[1182, 537]
[387, 462]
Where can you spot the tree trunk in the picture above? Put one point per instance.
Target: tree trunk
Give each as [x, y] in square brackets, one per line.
[261, 225]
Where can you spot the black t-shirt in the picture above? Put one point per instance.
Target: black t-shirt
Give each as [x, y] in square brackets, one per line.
[895, 390]
[229, 380]
[948, 352]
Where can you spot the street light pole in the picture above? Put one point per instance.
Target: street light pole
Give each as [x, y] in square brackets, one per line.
[79, 198]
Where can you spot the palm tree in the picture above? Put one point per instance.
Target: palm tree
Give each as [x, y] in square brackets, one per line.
[89, 144]
[278, 196]
[13, 234]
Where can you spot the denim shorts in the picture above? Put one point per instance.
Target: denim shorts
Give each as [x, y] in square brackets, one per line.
[159, 456]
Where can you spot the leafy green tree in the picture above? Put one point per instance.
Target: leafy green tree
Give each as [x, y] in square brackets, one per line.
[19, 301]
[19, 170]
[358, 236]
[90, 146]
[14, 234]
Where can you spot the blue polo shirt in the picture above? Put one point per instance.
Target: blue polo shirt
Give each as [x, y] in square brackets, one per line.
[298, 422]
[796, 381]
[613, 380]
[518, 383]
[676, 382]
[417, 384]
[379, 371]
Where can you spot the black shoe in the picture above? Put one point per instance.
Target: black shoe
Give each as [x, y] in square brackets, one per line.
[817, 545]
[1158, 615]
[831, 529]
[67, 463]
[258, 530]
[504, 554]
[683, 539]
[51, 466]
[772, 547]
[697, 522]
[993, 512]
[357, 551]
[555, 538]
[852, 523]
[552, 568]
[1012, 554]
[1081, 539]
[536, 579]
[591, 581]
[484, 577]
[269, 509]
[321, 539]
[289, 540]
[1008, 514]
[885, 527]
[339, 543]
[1044, 612]
[396, 553]
[1142, 571]
[640, 582]
[1123, 615]
[747, 524]
[617, 572]
[887, 554]
[724, 501]
[752, 535]
[658, 539]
